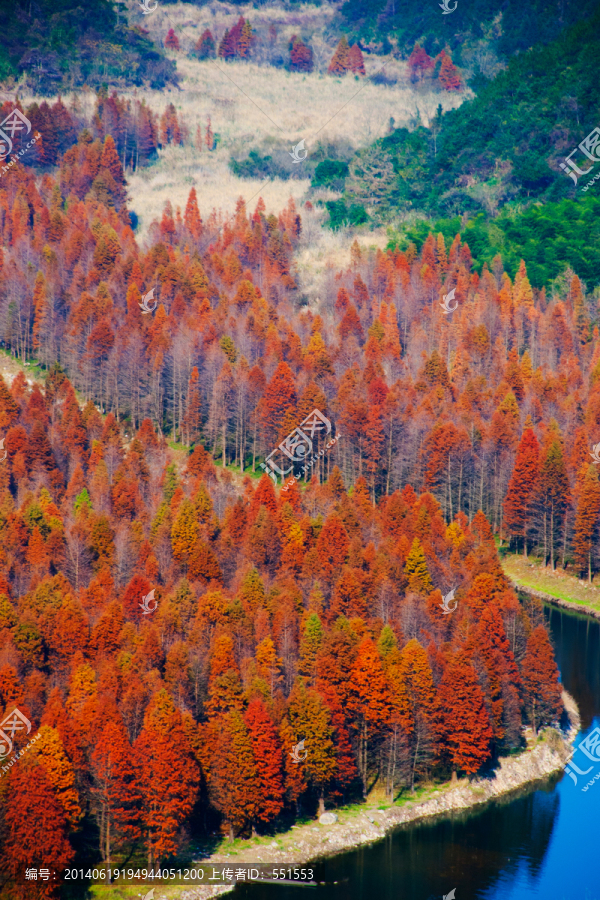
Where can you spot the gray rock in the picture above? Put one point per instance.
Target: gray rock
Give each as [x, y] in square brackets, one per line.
[328, 818]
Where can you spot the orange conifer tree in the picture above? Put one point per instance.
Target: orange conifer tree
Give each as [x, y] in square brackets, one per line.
[522, 487]
[171, 40]
[340, 61]
[463, 723]
[587, 521]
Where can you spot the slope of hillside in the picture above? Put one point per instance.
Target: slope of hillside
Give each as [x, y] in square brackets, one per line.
[53, 46]
[519, 127]
[480, 31]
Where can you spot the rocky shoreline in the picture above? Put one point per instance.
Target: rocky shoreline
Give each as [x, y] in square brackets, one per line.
[555, 601]
[307, 843]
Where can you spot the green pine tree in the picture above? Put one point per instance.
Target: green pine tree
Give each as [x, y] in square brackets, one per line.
[310, 645]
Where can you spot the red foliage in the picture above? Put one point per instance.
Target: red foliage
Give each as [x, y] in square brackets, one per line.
[419, 62]
[301, 56]
[171, 40]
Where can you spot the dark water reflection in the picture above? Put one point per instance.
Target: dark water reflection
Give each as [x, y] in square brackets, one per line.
[542, 843]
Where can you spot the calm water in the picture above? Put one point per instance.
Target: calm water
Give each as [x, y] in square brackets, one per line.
[541, 844]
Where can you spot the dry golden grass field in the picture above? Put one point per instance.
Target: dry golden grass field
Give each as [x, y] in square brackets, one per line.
[256, 106]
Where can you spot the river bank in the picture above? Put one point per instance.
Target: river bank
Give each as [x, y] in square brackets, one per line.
[360, 825]
[556, 588]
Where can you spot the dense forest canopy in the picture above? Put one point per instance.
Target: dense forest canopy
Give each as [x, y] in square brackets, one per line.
[59, 44]
[520, 126]
[483, 25]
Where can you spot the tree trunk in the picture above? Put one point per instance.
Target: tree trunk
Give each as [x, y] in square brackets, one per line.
[321, 803]
[387, 485]
[108, 840]
[363, 760]
[412, 786]
[481, 488]
[545, 541]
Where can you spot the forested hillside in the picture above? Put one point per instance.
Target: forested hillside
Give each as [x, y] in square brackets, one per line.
[232, 358]
[59, 45]
[519, 127]
[549, 236]
[274, 618]
[479, 30]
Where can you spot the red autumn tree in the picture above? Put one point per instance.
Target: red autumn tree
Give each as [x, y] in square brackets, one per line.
[114, 790]
[370, 703]
[191, 217]
[266, 750]
[553, 493]
[419, 62]
[587, 521]
[518, 503]
[416, 682]
[168, 777]
[356, 61]
[36, 829]
[224, 686]
[280, 396]
[449, 77]
[503, 681]
[228, 763]
[301, 56]
[309, 720]
[205, 47]
[340, 61]
[227, 48]
[332, 546]
[540, 681]
[171, 40]
[133, 597]
[209, 137]
[462, 721]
